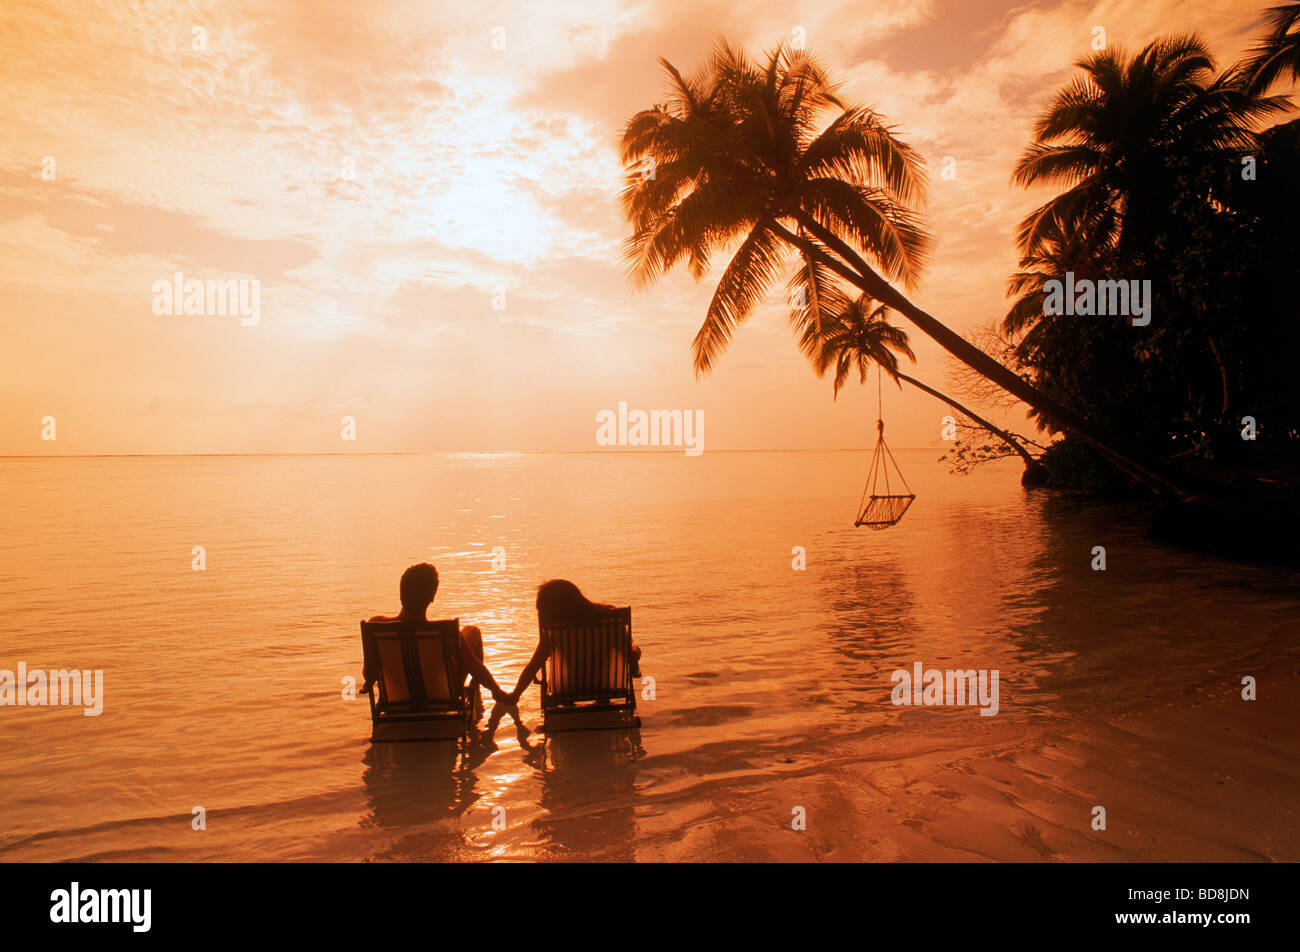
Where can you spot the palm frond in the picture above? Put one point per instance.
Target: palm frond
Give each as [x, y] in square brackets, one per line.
[745, 282]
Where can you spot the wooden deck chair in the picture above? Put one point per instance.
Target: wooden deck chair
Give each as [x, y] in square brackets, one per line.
[587, 677]
[415, 681]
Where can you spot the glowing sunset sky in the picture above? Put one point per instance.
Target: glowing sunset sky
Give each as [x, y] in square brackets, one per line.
[475, 169]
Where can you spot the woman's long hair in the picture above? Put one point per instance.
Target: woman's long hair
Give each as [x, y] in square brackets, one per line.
[561, 601]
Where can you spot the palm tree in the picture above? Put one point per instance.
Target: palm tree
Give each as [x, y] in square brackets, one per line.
[858, 336]
[1057, 246]
[1111, 134]
[734, 154]
[1278, 53]
[1115, 137]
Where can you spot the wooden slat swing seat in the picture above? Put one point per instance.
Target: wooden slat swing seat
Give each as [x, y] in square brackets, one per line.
[882, 504]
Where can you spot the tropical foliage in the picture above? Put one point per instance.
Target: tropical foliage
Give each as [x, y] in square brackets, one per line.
[1277, 56]
[1163, 171]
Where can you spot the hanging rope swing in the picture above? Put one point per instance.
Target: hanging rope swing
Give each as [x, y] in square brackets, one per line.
[881, 506]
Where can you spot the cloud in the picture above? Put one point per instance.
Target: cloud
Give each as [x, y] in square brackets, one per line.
[124, 228]
[383, 167]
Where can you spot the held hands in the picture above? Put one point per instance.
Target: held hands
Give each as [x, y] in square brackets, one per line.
[508, 699]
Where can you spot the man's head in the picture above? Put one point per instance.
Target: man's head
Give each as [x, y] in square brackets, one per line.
[419, 585]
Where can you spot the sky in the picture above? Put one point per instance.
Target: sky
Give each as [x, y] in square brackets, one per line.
[427, 196]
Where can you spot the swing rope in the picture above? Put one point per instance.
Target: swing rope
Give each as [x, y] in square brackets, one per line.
[879, 510]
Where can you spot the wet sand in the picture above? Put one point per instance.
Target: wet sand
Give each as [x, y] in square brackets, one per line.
[1201, 776]
[1205, 776]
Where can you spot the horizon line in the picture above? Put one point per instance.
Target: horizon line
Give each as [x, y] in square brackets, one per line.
[603, 452]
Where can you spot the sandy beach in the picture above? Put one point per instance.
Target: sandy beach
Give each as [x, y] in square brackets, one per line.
[1202, 775]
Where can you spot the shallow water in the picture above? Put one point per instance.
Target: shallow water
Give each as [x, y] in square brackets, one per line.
[223, 687]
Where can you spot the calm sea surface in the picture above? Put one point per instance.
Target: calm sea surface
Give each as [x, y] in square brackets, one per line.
[223, 687]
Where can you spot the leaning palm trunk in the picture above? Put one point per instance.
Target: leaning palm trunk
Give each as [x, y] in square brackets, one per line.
[862, 276]
[1032, 465]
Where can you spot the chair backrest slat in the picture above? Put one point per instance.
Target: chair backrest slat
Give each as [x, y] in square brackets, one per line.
[434, 666]
[392, 670]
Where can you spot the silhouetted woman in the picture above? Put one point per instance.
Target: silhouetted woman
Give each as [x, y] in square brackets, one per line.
[561, 602]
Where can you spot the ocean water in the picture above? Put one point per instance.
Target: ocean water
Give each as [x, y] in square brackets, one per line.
[223, 687]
